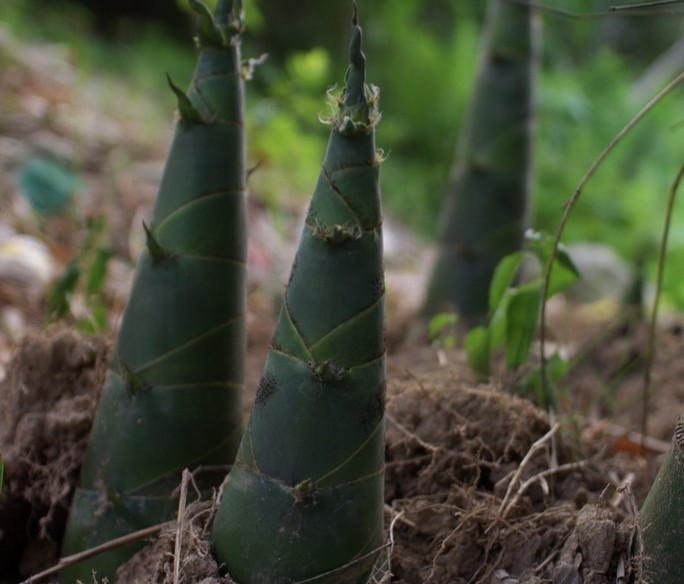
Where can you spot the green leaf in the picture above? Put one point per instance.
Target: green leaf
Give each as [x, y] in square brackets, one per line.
[441, 323]
[477, 348]
[497, 323]
[521, 324]
[59, 300]
[188, 112]
[504, 275]
[97, 274]
[564, 273]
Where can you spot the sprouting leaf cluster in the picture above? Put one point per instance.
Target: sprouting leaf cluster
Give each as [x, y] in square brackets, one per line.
[442, 330]
[515, 302]
[83, 280]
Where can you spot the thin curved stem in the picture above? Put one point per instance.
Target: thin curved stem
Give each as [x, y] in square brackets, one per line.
[572, 202]
[648, 361]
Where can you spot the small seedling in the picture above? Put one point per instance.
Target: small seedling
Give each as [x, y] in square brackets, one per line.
[514, 309]
[84, 277]
[442, 330]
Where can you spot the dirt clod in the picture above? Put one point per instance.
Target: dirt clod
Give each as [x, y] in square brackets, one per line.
[47, 403]
[155, 563]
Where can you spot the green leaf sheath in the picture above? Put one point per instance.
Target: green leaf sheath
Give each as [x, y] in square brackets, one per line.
[172, 399]
[304, 500]
[662, 518]
[485, 209]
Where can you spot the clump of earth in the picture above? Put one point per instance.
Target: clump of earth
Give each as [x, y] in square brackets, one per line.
[47, 401]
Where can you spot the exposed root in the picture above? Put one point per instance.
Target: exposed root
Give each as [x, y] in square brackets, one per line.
[536, 447]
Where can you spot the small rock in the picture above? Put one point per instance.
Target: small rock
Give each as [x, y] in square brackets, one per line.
[604, 274]
[25, 262]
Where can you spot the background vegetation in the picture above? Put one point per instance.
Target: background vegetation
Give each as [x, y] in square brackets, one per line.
[596, 73]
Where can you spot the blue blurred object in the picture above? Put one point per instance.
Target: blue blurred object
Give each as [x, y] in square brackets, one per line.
[48, 184]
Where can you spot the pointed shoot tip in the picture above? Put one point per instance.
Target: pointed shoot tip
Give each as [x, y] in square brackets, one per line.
[356, 76]
[358, 104]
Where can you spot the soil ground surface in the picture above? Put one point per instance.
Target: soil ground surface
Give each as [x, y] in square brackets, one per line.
[478, 488]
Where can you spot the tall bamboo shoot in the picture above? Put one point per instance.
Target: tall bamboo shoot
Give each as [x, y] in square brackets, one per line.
[172, 399]
[486, 206]
[304, 499]
[662, 518]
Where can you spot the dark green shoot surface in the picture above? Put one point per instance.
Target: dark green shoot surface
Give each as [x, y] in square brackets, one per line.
[172, 399]
[662, 518]
[485, 209]
[304, 500]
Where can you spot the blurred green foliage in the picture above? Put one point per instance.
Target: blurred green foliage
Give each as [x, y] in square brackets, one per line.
[423, 56]
[85, 277]
[48, 184]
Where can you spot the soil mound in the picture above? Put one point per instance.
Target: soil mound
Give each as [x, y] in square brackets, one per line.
[476, 495]
[480, 487]
[47, 402]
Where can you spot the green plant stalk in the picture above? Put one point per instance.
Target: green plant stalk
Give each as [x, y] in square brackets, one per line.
[662, 518]
[486, 206]
[172, 399]
[304, 499]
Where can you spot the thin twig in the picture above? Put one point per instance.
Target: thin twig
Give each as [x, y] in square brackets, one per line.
[619, 496]
[554, 444]
[549, 558]
[613, 11]
[570, 205]
[179, 525]
[440, 551]
[390, 552]
[559, 11]
[399, 516]
[570, 466]
[97, 550]
[429, 447]
[536, 446]
[626, 489]
[644, 5]
[650, 351]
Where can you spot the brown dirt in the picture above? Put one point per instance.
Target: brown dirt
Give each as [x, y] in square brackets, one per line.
[453, 451]
[456, 510]
[610, 377]
[47, 402]
[155, 563]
